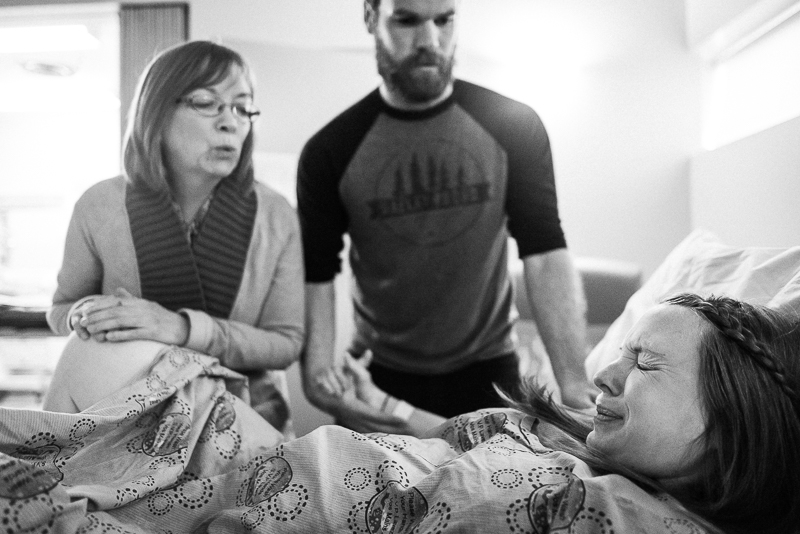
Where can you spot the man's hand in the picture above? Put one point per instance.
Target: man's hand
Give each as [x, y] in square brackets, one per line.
[123, 317]
[356, 402]
[333, 381]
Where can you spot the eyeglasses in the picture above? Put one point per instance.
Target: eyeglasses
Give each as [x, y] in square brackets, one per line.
[210, 106]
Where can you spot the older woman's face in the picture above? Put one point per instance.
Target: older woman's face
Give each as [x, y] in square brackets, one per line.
[649, 412]
[201, 147]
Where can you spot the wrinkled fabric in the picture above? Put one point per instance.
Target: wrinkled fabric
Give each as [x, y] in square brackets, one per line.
[179, 452]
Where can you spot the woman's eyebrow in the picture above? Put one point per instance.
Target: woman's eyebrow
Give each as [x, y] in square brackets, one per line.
[650, 352]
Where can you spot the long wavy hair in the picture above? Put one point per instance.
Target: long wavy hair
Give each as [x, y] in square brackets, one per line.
[748, 478]
[169, 76]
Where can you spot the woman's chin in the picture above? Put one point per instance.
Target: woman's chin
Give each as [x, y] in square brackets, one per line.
[596, 442]
[591, 439]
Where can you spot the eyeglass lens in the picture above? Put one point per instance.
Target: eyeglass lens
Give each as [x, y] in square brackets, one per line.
[212, 107]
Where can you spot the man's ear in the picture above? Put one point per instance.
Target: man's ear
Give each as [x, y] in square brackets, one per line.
[370, 17]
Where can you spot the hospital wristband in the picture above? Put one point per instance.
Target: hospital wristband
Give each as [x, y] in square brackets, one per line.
[403, 410]
[385, 402]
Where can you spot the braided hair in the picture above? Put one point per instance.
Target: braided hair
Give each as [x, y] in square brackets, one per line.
[750, 376]
[727, 316]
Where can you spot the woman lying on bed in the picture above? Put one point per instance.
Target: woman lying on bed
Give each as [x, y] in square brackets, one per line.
[697, 430]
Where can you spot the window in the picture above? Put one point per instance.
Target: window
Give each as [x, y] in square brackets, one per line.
[755, 88]
[62, 107]
[59, 133]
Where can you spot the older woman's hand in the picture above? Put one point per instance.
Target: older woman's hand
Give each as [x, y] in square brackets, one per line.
[123, 317]
[76, 319]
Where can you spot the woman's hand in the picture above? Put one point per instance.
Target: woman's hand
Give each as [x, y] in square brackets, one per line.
[123, 317]
[352, 381]
[76, 320]
[363, 387]
[364, 407]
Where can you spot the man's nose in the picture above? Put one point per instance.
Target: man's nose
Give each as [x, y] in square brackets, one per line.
[427, 35]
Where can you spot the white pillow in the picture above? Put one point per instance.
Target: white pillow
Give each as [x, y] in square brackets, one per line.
[702, 264]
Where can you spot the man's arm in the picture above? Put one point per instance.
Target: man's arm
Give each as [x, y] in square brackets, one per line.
[339, 387]
[321, 386]
[559, 308]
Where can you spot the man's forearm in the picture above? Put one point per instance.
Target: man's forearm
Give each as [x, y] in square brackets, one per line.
[318, 355]
[559, 308]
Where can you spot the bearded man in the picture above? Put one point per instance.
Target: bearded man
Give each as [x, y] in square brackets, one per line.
[429, 176]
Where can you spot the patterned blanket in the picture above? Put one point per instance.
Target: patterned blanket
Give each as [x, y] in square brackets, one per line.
[179, 452]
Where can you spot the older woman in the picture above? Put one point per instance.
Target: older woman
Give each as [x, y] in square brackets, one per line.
[185, 248]
[696, 431]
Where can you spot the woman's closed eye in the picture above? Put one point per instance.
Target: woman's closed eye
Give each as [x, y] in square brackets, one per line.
[204, 103]
[643, 366]
[641, 359]
[648, 361]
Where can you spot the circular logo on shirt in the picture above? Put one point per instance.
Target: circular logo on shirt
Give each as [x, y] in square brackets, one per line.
[430, 192]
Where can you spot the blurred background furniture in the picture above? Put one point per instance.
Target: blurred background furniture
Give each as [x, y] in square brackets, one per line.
[29, 352]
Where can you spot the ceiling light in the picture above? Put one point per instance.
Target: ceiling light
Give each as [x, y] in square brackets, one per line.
[63, 38]
[48, 68]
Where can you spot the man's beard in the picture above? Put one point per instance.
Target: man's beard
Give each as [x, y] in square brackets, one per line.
[414, 85]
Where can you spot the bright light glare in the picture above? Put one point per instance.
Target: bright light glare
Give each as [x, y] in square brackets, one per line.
[756, 89]
[46, 98]
[63, 38]
[541, 66]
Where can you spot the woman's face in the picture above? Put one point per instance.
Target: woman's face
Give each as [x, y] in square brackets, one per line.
[649, 412]
[197, 147]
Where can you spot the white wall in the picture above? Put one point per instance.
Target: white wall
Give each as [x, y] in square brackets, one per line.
[705, 17]
[747, 192]
[715, 27]
[621, 98]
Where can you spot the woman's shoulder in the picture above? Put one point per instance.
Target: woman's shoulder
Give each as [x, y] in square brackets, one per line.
[105, 195]
[105, 191]
[273, 201]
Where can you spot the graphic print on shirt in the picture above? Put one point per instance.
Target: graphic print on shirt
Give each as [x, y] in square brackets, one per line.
[429, 192]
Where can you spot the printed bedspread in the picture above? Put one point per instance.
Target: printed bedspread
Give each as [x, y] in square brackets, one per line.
[179, 452]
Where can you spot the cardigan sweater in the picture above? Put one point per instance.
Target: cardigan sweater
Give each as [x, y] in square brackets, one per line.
[266, 322]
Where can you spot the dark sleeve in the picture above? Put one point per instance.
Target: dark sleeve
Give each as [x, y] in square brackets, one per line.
[531, 202]
[323, 162]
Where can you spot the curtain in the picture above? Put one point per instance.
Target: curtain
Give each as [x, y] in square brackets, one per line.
[145, 30]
